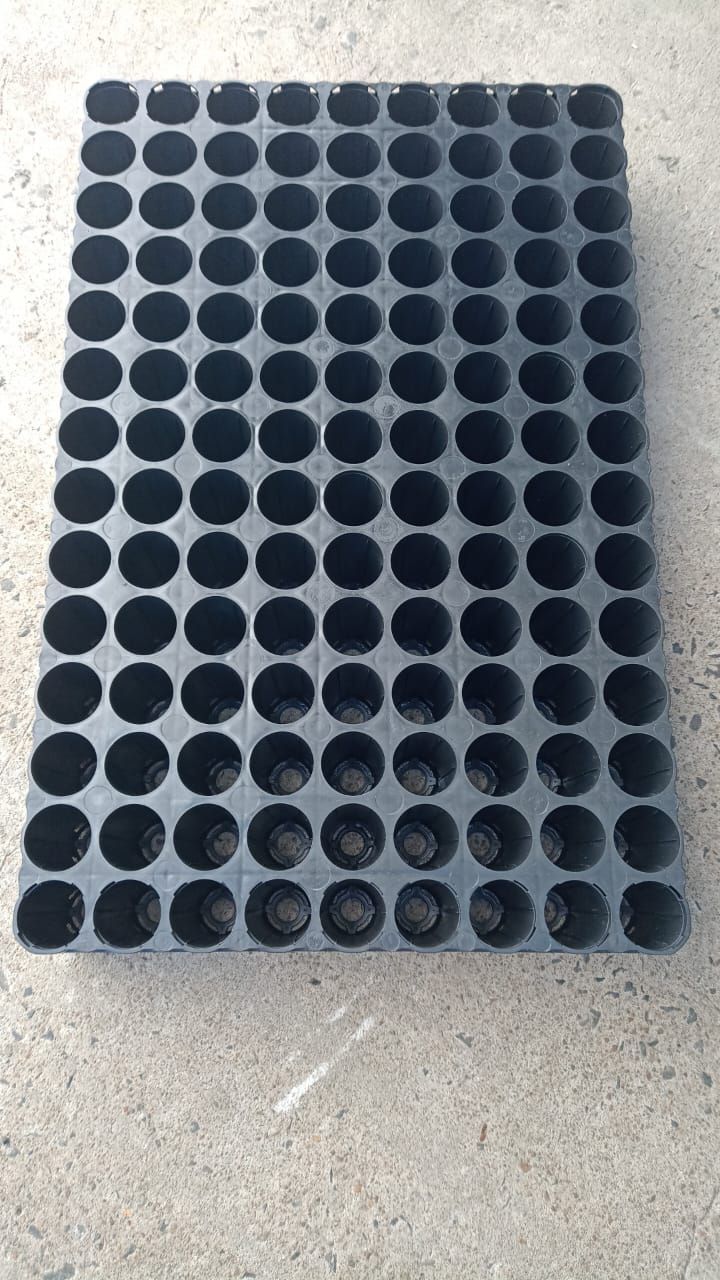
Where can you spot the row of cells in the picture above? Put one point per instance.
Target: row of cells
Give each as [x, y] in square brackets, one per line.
[358, 155]
[352, 914]
[352, 436]
[351, 498]
[352, 837]
[531, 106]
[353, 262]
[352, 693]
[229, 206]
[352, 318]
[352, 763]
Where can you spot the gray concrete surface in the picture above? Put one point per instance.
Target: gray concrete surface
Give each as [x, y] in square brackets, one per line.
[518, 1118]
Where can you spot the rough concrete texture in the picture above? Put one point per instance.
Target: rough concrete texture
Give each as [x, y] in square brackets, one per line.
[386, 1116]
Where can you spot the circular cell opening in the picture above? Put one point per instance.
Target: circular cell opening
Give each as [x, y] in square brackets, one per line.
[416, 264]
[592, 106]
[50, 915]
[215, 625]
[233, 103]
[291, 207]
[478, 263]
[287, 436]
[353, 319]
[126, 914]
[564, 694]
[284, 626]
[353, 764]
[225, 317]
[619, 497]
[353, 436]
[605, 263]
[154, 435]
[560, 627]
[283, 693]
[292, 154]
[568, 765]
[166, 205]
[419, 498]
[420, 561]
[145, 625]
[353, 693]
[475, 155]
[74, 625]
[92, 374]
[290, 262]
[573, 838]
[229, 206]
[480, 319]
[423, 694]
[206, 836]
[203, 913]
[287, 376]
[353, 263]
[353, 377]
[544, 319]
[289, 318]
[640, 765]
[352, 837]
[172, 102]
[625, 561]
[414, 208]
[88, 434]
[597, 158]
[421, 627]
[550, 437]
[484, 436]
[79, 559]
[418, 436]
[556, 562]
[536, 156]
[209, 764]
[132, 837]
[108, 153]
[286, 497]
[100, 259]
[413, 105]
[223, 375]
[424, 764]
[414, 155]
[473, 106]
[353, 208]
[84, 495]
[353, 627]
[96, 315]
[577, 915]
[158, 375]
[476, 208]
[539, 208]
[168, 154]
[482, 377]
[490, 627]
[293, 103]
[104, 205]
[601, 209]
[279, 836]
[277, 914]
[69, 693]
[352, 913]
[227, 261]
[111, 102]
[353, 104]
[427, 913]
[230, 154]
[646, 838]
[486, 498]
[163, 260]
[426, 836]
[616, 436]
[161, 317]
[553, 497]
[493, 694]
[653, 916]
[488, 561]
[152, 496]
[353, 561]
[281, 764]
[217, 560]
[137, 764]
[221, 435]
[499, 837]
[285, 561]
[608, 319]
[533, 106]
[635, 694]
[212, 693]
[542, 263]
[353, 155]
[502, 914]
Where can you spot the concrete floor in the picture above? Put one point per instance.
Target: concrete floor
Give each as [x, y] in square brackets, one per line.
[394, 1117]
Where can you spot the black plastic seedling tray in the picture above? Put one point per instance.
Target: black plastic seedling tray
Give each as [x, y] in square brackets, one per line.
[352, 634]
